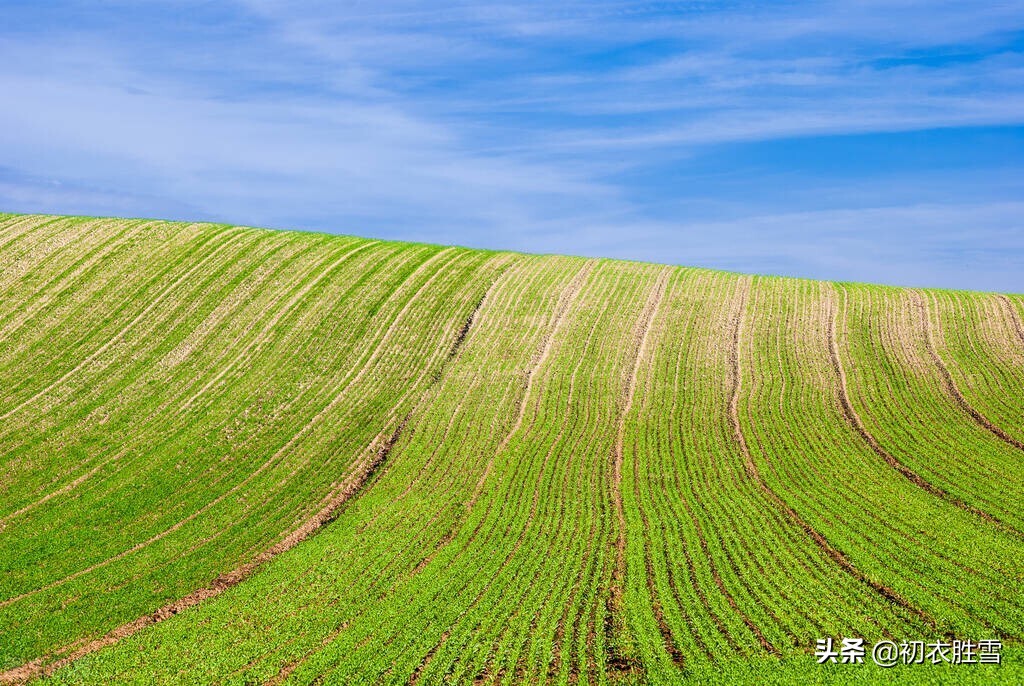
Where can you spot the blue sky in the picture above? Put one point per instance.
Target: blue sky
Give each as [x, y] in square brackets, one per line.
[852, 140]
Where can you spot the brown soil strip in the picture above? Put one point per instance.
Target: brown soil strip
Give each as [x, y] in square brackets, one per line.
[285, 672]
[951, 386]
[1014, 317]
[453, 352]
[261, 468]
[613, 621]
[855, 421]
[332, 508]
[460, 338]
[752, 471]
[327, 514]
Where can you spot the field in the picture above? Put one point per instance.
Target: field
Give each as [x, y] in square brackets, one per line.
[233, 455]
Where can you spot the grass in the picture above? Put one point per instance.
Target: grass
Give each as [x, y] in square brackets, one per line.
[232, 455]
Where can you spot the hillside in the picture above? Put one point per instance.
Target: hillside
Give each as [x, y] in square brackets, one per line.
[237, 455]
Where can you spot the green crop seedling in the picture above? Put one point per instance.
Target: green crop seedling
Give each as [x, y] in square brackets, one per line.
[233, 455]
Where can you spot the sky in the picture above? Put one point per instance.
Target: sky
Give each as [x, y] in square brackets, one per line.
[850, 140]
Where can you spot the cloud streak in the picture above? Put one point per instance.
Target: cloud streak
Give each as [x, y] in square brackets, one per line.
[621, 128]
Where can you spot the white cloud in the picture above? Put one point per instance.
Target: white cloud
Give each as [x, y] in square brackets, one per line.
[501, 125]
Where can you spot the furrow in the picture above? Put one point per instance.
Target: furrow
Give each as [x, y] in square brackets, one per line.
[950, 384]
[855, 421]
[330, 509]
[128, 327]
[1013, 316]
[327, 514]
[565, 301]
[885, 591]
[252, 475]
[60, 491]
[614, 623]
[261, 338]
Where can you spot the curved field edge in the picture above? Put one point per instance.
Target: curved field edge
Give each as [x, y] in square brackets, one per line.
[496, 408]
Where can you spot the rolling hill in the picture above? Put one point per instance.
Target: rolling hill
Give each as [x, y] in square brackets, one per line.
[234, 455]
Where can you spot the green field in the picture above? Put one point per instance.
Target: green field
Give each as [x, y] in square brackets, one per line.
[233, 455]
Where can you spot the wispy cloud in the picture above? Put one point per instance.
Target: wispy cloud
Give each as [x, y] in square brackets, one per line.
[598, 127]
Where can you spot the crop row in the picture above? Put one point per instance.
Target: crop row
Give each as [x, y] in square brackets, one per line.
[892, 531]
[173, 495]
[535, 469]
[897, 388]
